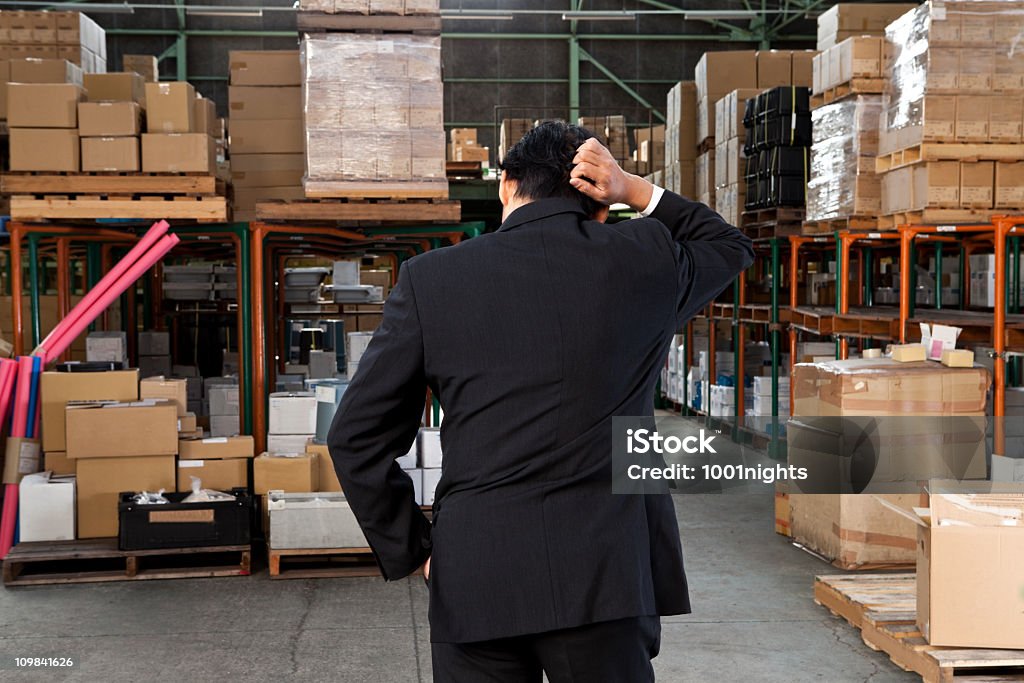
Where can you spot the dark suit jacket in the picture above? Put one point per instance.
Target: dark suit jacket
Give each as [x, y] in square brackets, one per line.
[532, 338]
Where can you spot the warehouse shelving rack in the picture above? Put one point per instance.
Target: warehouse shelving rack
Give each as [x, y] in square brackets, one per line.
[99, 242]
[273, 242]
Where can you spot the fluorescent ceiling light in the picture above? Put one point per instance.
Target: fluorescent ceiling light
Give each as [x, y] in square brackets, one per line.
[478, 17]
[225, 12]
[599, 16]
[719, 14]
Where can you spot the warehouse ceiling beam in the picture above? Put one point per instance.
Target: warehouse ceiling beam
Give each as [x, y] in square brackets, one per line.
[622, 84]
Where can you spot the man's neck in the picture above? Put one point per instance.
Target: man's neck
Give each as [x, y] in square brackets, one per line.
[513, 204]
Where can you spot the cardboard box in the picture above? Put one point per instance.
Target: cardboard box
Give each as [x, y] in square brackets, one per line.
[1009, 184]
[110, 154]
[169, 108]
[939, 118]
[859, 57]
[935, 339]
[247, 103]
[58, 462]
[178, 153]
[972, 118]
[936, 185]
[958, 358]
[462, 136]
[854, 530]
[943, 69]
[5, 76]
[802, 67]
[774, 67]
[56, 389]
[173, 390]
[97, 429]
[969, 553]
[36, 70]
[977, 181]
[43, 105]
[44, 149]
[1004, 118]
[187, 424]
[292, 413]
[223, 399]
[144, 65]
[267, 136]
[908, 353]
[204, 116]
[126, 86]
[267, 170]
[110, 119]
[291, 474]
[101, 480]
[216, 448]
[718, 73]
[219, 475]
[328, 475]
[46, 508]
[265, 67]
[976, 68]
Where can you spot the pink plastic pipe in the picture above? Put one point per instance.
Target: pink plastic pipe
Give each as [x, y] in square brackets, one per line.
[156, 231]
[100, 304]
[12, 369]
[22, 394]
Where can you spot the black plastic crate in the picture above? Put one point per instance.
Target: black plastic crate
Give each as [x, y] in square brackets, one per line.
[788, 191]
[184, 525]
[789, 161]
[785, 100]
[787, 129]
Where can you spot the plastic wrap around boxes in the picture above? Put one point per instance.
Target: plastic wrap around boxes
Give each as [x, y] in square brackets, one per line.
[373, 109]
[842, 176]
[955, 74]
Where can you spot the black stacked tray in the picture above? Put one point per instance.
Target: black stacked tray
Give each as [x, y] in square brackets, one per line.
[777, 146]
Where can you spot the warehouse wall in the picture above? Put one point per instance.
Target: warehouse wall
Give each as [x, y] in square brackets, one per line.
[474, 103]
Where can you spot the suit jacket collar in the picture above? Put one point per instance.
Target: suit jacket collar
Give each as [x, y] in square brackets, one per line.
[540, 209]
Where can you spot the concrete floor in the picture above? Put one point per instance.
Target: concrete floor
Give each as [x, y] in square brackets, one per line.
[754, 620]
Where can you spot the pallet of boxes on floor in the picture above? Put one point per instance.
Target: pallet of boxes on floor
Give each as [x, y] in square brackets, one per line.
[466, 158]
[130, 487]
[371, 110]
[108, 145]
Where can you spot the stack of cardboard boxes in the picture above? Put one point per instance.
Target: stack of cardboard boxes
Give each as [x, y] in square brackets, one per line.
[649, 154]
[719, 73]
[222, 406]
[267, 156]
[373, 109]
[110, 121]
[681, 139]
[221, 463]
[396, 7]
[179, 127]
[850, 19]
[292, 422]
[612, 131]
[43, 120]
[730, 160]
[53, 35]
[144, 65]
[154, 354]
[953, 75]
[857, 530]
[512, 131]
[462, 146]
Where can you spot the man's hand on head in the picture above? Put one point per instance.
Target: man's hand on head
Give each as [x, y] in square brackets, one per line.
[597, 175]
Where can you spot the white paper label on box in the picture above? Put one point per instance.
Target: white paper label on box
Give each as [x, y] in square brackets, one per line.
[216, 439]
[28, 457]
[190, 463]
[945, 228]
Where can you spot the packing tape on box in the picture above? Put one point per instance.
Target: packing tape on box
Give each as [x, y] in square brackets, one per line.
[872, 538]
[21, 457]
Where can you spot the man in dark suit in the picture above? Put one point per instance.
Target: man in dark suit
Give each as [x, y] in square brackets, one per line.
[532, 338]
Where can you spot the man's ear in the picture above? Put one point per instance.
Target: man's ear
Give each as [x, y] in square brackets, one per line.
[601, 215]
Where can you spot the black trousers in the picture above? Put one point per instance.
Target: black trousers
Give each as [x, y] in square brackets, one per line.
[606, 652]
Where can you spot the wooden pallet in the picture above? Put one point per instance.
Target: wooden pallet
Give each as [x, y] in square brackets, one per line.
[109, 184]
[831, 225]
[204, 209]
[464, 169]
[855, 86]
[949, 151]
[411, 211]
[778, 221]
[884, 608]
[99, 560]
[940, 217]
[319, 563]
[423, 24]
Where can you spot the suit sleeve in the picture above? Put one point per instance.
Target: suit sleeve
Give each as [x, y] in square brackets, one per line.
[710, 252]
[376, 423]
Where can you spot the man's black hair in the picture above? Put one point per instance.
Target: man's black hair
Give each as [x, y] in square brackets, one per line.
[541, 161]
